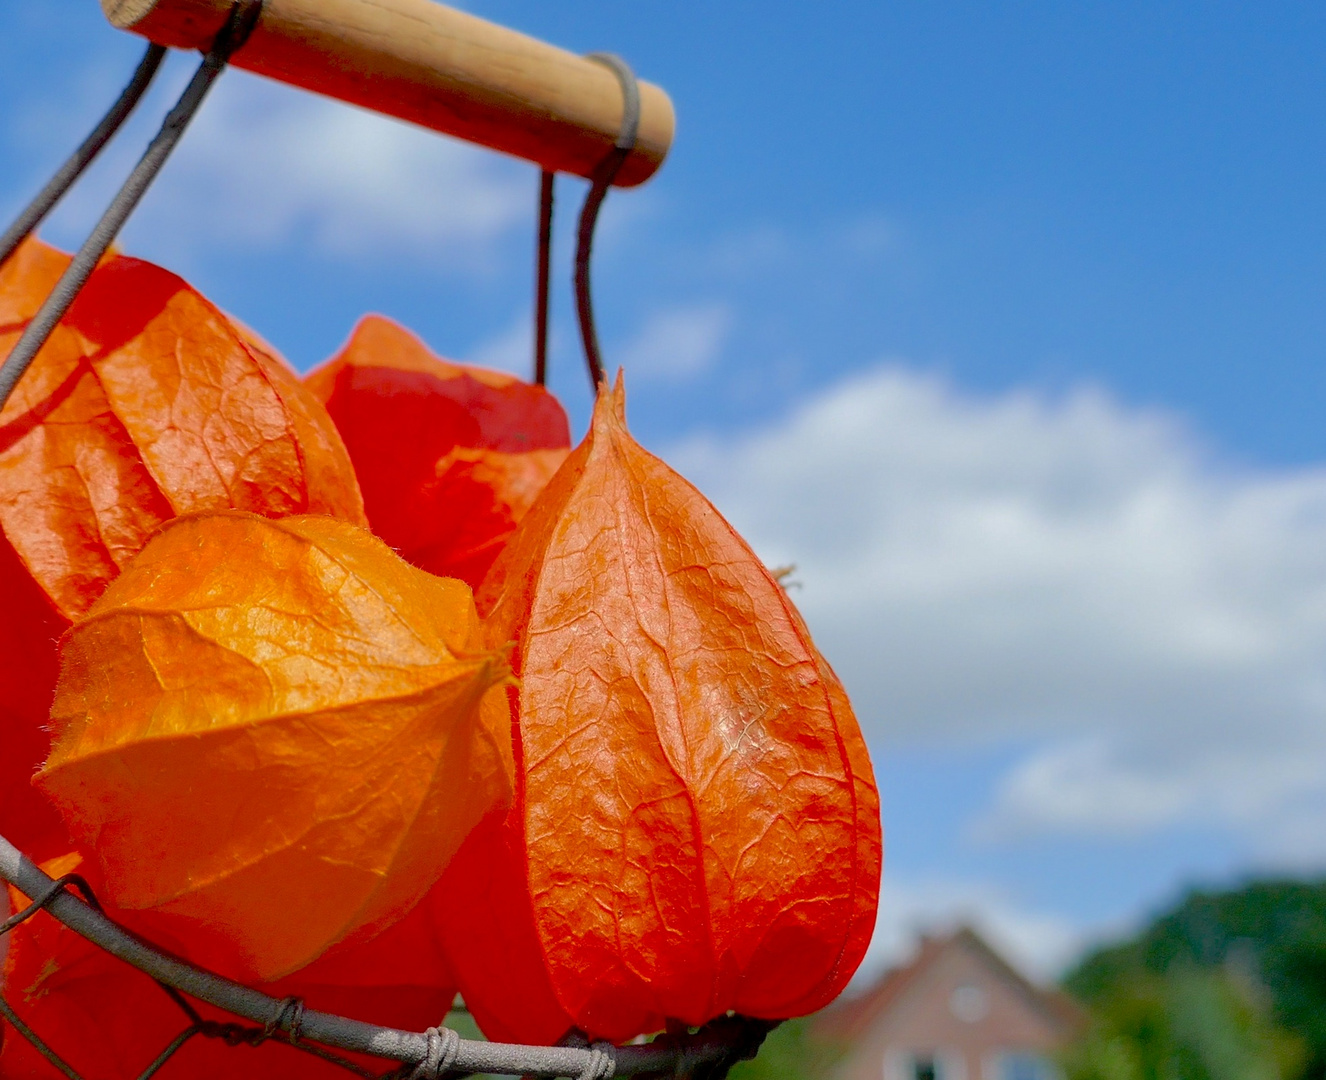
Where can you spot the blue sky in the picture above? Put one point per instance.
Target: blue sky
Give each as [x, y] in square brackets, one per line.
[1002, 322]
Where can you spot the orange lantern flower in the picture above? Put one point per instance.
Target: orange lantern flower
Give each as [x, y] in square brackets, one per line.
[145, 403]
[109, 1020]
[274, 735]
[449, 457]
[697, 826]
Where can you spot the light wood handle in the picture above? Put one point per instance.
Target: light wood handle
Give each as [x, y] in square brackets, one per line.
[434, 66]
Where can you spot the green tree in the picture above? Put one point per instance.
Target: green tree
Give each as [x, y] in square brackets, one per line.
[1226, 981]
[1188, 1024]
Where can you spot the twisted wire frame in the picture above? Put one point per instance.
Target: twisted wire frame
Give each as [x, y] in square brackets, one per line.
[706, 1054]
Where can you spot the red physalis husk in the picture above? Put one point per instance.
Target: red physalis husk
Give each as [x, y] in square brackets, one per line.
[450, 457]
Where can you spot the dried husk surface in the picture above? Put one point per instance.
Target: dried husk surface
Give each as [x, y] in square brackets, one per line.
[450, 457]
[274, 735]
[277, 735]
[696, 827]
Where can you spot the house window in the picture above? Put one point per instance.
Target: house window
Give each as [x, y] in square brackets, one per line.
[1022, 1066]
[942, 1064]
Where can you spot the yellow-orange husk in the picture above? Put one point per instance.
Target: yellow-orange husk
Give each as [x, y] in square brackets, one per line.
[274, 735]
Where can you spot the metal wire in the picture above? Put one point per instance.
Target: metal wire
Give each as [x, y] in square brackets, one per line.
[31, 216]
[243, 17]
[714, 1048]
[546, 182]
[176, 1044]
[45, 1051]
[57, 886]
[604, 174]
[277, 1027]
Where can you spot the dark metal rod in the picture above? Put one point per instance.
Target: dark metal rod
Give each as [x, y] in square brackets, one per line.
[604, 174]
[243, 15]
[589, 215]
[546, 182]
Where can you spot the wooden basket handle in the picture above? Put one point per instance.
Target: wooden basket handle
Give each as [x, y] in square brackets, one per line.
[434, 66]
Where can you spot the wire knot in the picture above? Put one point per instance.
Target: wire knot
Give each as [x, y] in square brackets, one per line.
[602, 1062]
[443, 1049]
[42, 901]
[292, 1007]
[230, 1033]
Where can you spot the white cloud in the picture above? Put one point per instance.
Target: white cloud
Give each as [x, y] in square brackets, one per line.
[1263, 786]
[1062, 573]
[264, 165]
[1039, 944]
[678, 343]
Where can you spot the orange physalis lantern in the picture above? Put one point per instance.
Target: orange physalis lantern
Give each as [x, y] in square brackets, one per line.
[145, 403]
[274, 735]
[696, 827]
[109, 1020]
[449, 457]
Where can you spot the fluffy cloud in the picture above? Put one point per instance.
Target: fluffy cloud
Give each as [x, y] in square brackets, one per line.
[1063, 573]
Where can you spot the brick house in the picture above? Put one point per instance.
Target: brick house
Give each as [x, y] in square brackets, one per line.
[956, 1011]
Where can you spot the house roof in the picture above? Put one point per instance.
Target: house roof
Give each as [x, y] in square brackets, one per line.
[850, 1018]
